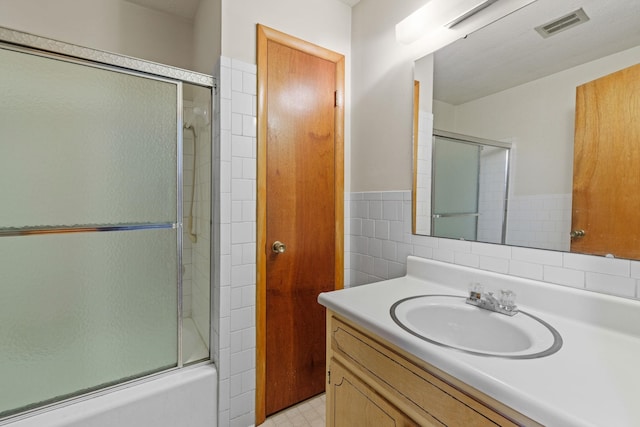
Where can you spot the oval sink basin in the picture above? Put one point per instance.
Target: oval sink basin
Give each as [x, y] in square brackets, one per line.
[446, 320]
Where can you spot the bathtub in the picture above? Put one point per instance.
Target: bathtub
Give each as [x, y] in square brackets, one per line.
[185, 398]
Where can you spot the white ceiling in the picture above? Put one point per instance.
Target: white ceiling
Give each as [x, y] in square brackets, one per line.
[510, 52]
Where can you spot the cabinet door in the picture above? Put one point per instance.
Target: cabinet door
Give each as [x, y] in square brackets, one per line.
[352, 403]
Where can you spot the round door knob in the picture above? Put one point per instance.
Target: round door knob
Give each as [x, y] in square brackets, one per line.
[278, 247]
[577, 233]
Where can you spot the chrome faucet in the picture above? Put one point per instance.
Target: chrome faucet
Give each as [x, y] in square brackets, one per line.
[504, 305]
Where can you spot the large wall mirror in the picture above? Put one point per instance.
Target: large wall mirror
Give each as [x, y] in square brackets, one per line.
[564, 101]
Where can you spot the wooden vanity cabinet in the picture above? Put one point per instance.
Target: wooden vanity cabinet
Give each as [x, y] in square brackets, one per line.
[354, 403]
[371, 382]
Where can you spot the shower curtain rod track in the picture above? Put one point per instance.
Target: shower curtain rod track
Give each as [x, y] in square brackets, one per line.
[10, 38]
[29, 231]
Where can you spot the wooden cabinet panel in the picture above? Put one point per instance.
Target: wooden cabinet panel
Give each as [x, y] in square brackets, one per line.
[424, 397]
[355, 404]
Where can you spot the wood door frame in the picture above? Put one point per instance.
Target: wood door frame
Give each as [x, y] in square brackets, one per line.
[264, 35]
[416, 141]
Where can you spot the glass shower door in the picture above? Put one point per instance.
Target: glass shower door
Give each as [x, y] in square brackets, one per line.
[456, 168]
[89, 220]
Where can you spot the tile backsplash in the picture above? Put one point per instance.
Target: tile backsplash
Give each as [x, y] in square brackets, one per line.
[378, 240]
[541, 221]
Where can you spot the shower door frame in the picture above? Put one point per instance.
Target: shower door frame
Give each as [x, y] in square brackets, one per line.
[55, 50]
[479, 142]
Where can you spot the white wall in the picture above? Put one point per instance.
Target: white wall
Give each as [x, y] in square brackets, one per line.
[111, 25]
[207, 36]
[382, 100]
[326, 23]
[125, 28]
[423, 72]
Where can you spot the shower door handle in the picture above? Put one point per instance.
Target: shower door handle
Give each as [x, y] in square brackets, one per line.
[278, 247]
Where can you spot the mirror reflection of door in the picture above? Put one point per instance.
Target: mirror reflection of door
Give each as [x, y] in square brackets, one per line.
[606, 180]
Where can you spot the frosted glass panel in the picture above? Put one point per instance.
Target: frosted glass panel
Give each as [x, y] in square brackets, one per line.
[82, 145]
[83, 310]
[455, 189]
[456, 169]
[196, 255]
[457, 227]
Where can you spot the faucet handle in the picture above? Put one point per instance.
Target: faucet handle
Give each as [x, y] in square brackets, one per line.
[507, 299]
[475, 291]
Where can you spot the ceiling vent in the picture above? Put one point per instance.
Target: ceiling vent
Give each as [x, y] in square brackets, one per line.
[565, 22]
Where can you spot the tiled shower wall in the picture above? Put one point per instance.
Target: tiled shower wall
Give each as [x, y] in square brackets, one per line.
[187, 259]
[491, 194]
[380, 238]
[196, 254]
[201, 248]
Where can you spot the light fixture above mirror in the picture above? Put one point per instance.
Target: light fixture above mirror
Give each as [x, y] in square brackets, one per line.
[441, 22]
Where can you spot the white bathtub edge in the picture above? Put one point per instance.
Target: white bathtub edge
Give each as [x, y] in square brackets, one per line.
[185, 397]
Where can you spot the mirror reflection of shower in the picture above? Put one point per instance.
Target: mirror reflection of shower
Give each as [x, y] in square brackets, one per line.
[196, 182]
[469, 187]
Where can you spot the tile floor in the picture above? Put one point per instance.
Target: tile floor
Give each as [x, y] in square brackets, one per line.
[309, 413]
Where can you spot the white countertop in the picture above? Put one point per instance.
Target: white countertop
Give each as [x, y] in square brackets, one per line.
[593, 380]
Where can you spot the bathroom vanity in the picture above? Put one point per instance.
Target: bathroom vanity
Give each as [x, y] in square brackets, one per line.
[373, 383]
[381, 372]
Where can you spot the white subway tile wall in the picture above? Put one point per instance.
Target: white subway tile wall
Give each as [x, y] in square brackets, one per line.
[237, 332]
[376, 254]
[491, 194]
[201, 226]
[187, 180]
[379, 240]
[196, 255]
[542, 221]
[423, 166]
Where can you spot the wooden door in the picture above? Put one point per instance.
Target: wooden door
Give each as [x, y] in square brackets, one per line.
[300, 204]
[606, 167]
